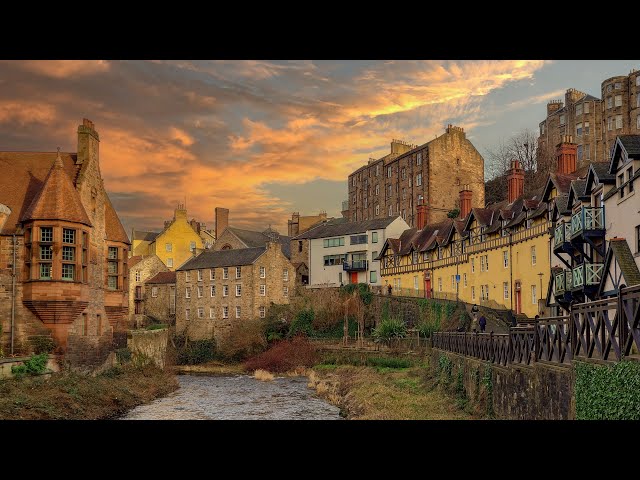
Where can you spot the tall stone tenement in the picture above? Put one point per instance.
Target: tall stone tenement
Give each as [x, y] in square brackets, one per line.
[431, 174]
[593, 122]
[70, 249]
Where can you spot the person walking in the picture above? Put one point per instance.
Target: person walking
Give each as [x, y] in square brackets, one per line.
[483, 323]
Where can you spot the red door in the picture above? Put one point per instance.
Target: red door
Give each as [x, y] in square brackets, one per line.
[354, 277]
[427, 287]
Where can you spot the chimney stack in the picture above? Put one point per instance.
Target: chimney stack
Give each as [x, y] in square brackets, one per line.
[422, 211]
[465, 200]
[88, 142]
[566, 155]
[222, 220]
[515, 180]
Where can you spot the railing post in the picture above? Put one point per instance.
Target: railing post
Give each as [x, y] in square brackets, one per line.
[536, 340]
[623, 328]
[491, 350]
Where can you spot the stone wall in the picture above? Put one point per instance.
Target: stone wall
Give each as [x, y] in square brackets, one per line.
[7, 363]
[538, 392]
[88, 350]
[159, 307]
[147, 267]
[149, 344]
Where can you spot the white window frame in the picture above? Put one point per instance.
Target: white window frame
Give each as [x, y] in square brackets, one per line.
[199, 275]
[200, 312]
[263, 272]
[187, 276]
[285, 291]
[534, 299]
[618, 122]
[586, 108]
[212, 290]
[168, 247]
[225, 273]
[138, 277]
[285, 275]
[212, 274]
[377, 209]
[578, 110]
[238, 290]
[225, 311]
[617, 101]
[238, 272]
[505, 290]
[212, 312]
[562, 120]
[170, 262]
[464, 277]
[263, 311]
[187, 292]
[473, 265]
[154, 292]
[187, 311]
[200, 291]
[225, 290]
[418, 179]
[238, 311]
[263, 290]
[505, 258]
[473, 292]
[534, 257]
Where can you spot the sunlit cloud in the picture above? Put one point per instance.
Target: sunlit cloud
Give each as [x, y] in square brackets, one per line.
[62, 68]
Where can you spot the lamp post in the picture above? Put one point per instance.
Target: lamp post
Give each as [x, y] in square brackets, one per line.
[540, 296]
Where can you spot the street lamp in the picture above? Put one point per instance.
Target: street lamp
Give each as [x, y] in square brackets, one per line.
[540, 296]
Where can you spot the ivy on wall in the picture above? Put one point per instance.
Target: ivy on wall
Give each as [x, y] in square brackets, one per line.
[607, 392]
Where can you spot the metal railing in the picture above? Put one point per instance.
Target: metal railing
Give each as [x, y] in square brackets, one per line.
[356, 265]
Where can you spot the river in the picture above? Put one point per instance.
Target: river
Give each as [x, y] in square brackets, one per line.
[237, 397]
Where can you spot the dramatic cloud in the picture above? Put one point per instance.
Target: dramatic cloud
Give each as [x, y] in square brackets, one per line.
[224, 133]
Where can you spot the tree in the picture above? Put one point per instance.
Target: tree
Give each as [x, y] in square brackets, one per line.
[522, 147]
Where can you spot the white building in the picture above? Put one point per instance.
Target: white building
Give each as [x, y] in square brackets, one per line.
[341, 253]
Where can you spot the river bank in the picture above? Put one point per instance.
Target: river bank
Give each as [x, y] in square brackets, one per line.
[71, 396]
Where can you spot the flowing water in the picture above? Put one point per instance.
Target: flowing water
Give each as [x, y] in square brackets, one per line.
[237, 397]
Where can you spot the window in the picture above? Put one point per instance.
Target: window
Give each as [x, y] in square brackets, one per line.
[187, 276]
[579, 152]
[263, 272]
[263, 312]
[464, 279]
[617, 86]
[200, 312]
[587, 151]
[137, 276]
[354, 200]
[505, 258]
[418, 180]
[46, 234]
[68, 271]
[609, 102]
[285, 291]
[199, 275]
[68, 235]
[168, 247]
[533, 255]
[112, 283]
[238, 290]
[578, 110]
[46, 252]
[187, 292]
[579, 129]
[473, 265]
[389, 172]
[377, 170]
[330, 260]
[358, 239]
[561, 120]
[374, 254]
[225, 290]
[389, 190]
[542, 126]
[211, 312]
[404, 214]
[263, 290]
[419, 158]
[505, 288]
[212, 290]
[113, 253]
[404, 193]
[629, 176]
[112, 267]
[340, 277]
[391, 210]
[238, 311]
[154, 292]
[353, 181]
[225, 273]
[439, 284]
[333, 242]
[586, 128]
[618, 100]
[618, 122]
[170, 262]
[473, 292]
[225, 312]
[285, 275]
[404, 173]
[373, 276]
[453, 281]
[200, 292]
[186, 313]
[609, 88]
[377, 189]
[238, 272]
[212, 274]
[534, 298]
[378, 206]
[586, 108]
[172, 300]
[366, 203]
[192, 246]
[638, 230]
[486, 263]
[621, 184]
[610, 123]
[374, 237]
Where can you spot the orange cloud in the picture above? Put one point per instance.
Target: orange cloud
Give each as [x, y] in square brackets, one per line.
[64, 68]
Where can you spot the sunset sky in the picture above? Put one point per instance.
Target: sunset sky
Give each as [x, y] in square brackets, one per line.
[266, 138]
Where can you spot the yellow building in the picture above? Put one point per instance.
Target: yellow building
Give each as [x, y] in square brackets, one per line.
[496, 256]
[176, 244]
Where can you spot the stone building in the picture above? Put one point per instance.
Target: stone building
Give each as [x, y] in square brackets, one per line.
[594, 123]
[431, 173]
[63, 252]
[217, 288]
[178, 242]
[300, 248]
[141, 269]
[159, 297]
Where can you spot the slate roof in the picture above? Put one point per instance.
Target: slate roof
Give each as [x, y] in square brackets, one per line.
[619, 248]
[562, 204]
[224, 258]
[631, 144]
[347, 228]
[601, 169]
[163, 277]
[142, 235]
[252, 238]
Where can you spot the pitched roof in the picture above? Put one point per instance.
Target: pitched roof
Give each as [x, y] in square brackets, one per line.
[601, 169]
[163, 277]
[252, 238]
[57, 199]
[630, 144]
[224, 258]
[112, 226]
[562, 204]
[145, 236]
[347, 228]
[133, 261]
[619, 248]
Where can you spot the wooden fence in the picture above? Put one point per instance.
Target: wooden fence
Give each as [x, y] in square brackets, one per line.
[606, 330]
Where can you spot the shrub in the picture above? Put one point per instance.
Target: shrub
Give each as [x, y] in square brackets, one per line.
[385, 362]
[337, 330]
[123, 355]
[42, 344]
[35, 365]
[157, 326]
[388, 330]
[244, 340]
[363, 290]
[284, 356]
[193, 352]
[302, 324]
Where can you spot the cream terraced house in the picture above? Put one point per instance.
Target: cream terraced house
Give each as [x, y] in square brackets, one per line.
[346, 252]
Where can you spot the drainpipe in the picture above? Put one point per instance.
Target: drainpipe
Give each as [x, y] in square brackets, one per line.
[511, 269]
[13, 293]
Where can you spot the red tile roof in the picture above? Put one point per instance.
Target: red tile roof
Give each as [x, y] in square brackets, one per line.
[163, 277]
[113, 228]
[58, 199]
[134, 261]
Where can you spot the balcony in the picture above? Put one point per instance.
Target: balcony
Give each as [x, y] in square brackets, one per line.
[563, 283]
[588, 221]
[356, 266]
[562, 237]
[587, 276]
